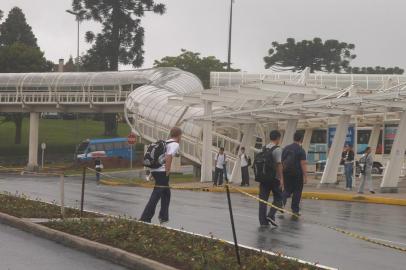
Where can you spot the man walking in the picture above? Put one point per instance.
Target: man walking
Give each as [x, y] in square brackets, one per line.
[161, 175]
[275, 184]
[245, 163]
[347, 159]
[294, 171]
[219, 171]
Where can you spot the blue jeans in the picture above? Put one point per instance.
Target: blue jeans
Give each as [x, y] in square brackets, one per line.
[349, 171]
[293, 188]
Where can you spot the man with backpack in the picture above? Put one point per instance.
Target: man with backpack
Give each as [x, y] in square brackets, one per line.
[159, 158]
[294, 171]
[220, 168]
[268, 172]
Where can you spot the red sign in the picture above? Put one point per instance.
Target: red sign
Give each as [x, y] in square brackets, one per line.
[132, 138]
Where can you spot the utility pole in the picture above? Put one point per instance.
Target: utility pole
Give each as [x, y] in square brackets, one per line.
[230, 36]
[77, 14]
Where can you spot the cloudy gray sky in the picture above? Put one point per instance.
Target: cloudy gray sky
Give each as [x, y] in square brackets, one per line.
[376, 27]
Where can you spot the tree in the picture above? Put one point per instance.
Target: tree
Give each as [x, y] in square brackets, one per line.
[20, 58]
[121, 39]
[19, 52]
[376, 70]
[194, 63]
[16, 29]
[331, 55]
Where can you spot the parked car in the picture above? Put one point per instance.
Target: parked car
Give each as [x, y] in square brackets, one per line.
[50, 115]
[68, 116]
[377, 167]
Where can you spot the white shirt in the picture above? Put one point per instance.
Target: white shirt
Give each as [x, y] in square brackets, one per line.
[172, 149]
[244, 161]
[220, 160]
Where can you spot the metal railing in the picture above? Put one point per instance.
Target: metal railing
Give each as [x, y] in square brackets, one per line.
[338, 81]
[108, 97]
[190, 147]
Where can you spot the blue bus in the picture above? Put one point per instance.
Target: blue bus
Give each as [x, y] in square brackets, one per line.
[104, 148]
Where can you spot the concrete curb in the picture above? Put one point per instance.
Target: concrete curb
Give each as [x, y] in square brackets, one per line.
[306, 195]
[115, 255]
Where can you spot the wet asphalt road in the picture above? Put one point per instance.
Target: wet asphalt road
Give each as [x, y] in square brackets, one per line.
[206, 213]
[21, 251]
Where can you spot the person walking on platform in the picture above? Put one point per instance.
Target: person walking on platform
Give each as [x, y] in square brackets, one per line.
[347, 159]
[294, 171]
[245, 162]
[161, 174]
[268, 172]
[366, 163]
[219, 171]
[98, 167]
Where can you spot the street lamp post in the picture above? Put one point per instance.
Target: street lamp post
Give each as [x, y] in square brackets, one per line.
[77, 14]
[230, 36]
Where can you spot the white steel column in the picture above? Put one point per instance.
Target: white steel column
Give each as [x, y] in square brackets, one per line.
[307, 138]
[289, 132]
[374, 138]
[333, 161]
[247, 142]
[207, 167]
[33, 142]
[392, 171]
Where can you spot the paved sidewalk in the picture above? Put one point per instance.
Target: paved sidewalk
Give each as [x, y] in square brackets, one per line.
[21, 251]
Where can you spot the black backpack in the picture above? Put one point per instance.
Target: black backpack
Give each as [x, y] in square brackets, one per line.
[289, 161]
[265, 166]
[154, 157]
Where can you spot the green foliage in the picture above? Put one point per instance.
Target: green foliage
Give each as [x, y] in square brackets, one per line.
[331, 55]
[121, 39]
[376, 70]
[22, 207]
[194, 63]
[178, 249]
[19, 57]
[16, 29]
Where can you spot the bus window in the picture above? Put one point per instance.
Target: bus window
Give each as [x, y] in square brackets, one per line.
[92, 147]
[119, 145]
[99, 147]
[108, 146]
[82, 147]
[319, 136]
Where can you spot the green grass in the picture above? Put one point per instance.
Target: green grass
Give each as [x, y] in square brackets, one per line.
[61, 136]
[178, 249]
[22, 207]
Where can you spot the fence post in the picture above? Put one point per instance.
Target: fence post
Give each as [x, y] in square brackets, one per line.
[230, 208]
[83, 192]
[62, 186]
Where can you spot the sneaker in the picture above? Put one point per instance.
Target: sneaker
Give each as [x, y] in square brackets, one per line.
[163, 222]
[372, 192]
[272, 221]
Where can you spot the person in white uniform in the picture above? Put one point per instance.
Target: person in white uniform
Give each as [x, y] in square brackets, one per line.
[245, 163]
[220, 161]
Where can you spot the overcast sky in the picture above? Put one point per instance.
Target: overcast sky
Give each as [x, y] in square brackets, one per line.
[376, 27]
